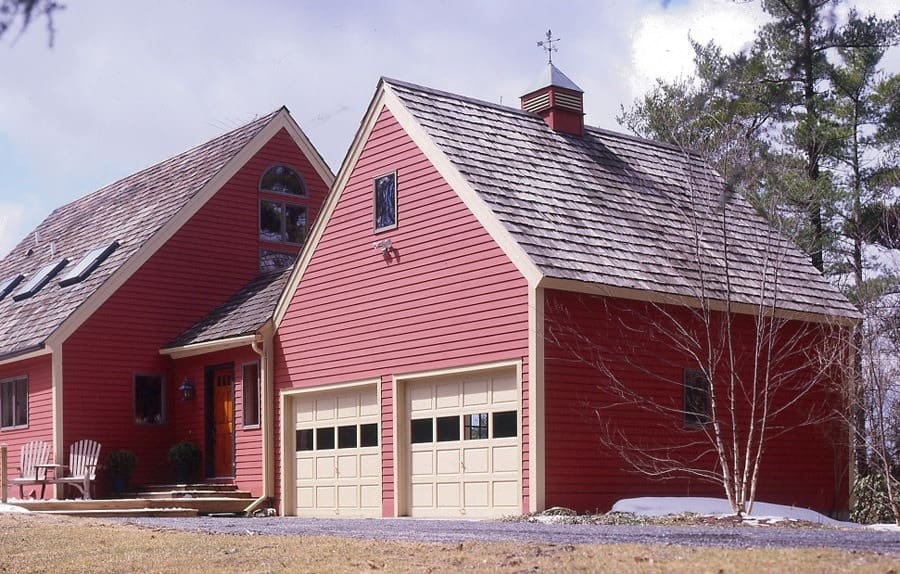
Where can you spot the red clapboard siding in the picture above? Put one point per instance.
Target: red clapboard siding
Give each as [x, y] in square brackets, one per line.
[40, 413]
[582, 473]
[209, 258]
[447, 297]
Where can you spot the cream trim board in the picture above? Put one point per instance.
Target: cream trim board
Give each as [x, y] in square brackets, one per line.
[328, 388]
[155, 242]
[493, 366]
[56, 400]
[337, 188]
[660, 298]
[536, 405]
[312, 154]
[482, 212]
[34, 354]
[208, 347]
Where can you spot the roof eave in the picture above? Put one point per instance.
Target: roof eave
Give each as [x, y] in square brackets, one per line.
[24, 354]
[206, 347]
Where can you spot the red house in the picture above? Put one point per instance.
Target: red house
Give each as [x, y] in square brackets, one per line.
[492, 297]
[97, 302]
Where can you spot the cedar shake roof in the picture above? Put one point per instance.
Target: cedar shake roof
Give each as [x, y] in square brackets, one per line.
[616, 210]
[129, 211]
[242, 314]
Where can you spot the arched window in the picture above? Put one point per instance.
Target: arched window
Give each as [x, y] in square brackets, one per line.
[282, 179]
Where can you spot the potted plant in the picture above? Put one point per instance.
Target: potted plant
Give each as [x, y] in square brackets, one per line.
[119, 464]
[185, 456]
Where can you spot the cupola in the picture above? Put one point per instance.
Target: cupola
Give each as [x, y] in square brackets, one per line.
[558, 100]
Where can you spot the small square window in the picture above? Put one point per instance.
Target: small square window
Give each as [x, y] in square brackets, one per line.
[149, 400]
[368, 434]
[325, 438]
[281, 222]
[475, 426]
[385, 202]
[250, 392]
[304, 439]
[448, 428]
[14, 402]
[506, 424]
[696, 398]
[421, 430]
[347, 436]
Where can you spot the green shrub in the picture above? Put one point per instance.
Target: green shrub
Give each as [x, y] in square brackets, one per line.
[870, 500]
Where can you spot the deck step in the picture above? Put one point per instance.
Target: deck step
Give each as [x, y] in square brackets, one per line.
[128, 512]
[204, 505]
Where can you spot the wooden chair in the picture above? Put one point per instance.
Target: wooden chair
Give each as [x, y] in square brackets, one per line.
[33, 453]
[82, 468]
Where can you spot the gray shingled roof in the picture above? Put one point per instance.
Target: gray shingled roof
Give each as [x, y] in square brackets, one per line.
[130, 211]
[617, 210]
[242, 314]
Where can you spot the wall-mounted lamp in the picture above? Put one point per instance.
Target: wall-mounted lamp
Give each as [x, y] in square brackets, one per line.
[187, 389]
[384, 245]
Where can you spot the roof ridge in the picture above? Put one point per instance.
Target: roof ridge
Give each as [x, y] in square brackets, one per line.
[517, 111]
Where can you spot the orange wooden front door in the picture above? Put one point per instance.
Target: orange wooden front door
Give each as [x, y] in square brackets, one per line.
[223, 422]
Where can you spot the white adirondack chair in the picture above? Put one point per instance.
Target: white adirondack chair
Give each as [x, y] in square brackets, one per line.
[82, 468]
[33, 453]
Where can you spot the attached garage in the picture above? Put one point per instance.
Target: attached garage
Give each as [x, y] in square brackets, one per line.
[462, 448]
[336, 452]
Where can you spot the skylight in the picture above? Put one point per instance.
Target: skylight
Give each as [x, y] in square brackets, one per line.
[88, 263]
[9, 284]
[39, 279]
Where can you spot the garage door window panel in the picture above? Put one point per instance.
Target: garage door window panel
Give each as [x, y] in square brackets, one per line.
[475, 426]
[421, 430]
[347, 436]
[325, 438]
[506, 424]
[447, 428]
[368, 435]
[304, 440]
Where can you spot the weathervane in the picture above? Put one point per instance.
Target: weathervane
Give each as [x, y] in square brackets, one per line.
[548, 46]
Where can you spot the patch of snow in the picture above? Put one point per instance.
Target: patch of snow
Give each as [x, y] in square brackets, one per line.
[762, 511]
[884, 527]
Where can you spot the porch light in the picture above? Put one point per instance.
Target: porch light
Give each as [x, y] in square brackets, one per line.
[187, 389]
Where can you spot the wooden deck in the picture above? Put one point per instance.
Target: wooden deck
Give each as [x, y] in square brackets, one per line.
[165, 500]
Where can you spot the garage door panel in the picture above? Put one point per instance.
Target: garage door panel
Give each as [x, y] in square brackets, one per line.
[475, 393]
[506, 458]
[347, 466]
[472, 469]
[447, 396]
[448, 495]
[369, 465]
[476, 494]
[506, 494]
[336, 474]
[448, 461]
[305, 469]
[477, 459]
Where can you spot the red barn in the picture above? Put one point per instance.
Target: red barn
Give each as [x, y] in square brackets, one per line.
[96, 301]
[492, 299]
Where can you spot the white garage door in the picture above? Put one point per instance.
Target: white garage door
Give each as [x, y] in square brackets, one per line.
[464, 447]
[338, 460]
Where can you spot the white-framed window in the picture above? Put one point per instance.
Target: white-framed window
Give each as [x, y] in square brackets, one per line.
[250, 393]
[14, 402]
[384, 201]
[149, 400]
[282, 222]
[696, 398]
[282, 179]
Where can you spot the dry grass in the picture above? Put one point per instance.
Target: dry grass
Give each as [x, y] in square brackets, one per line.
[34, 543]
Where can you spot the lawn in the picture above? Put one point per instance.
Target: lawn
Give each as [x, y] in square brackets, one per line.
[41, 543]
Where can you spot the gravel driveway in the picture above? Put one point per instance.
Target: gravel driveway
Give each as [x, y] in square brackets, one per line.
[454, 531]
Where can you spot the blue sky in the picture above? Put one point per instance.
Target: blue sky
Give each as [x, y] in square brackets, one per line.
[128, 84]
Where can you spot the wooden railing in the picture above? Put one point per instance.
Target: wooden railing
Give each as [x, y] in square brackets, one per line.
[3, 469]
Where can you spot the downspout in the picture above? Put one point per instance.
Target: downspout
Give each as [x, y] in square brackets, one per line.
[262, 346]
